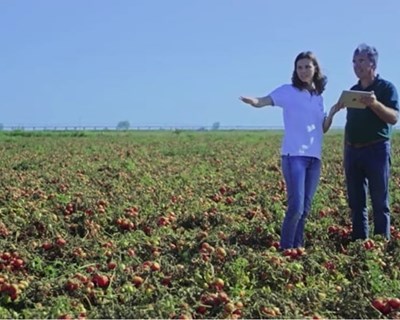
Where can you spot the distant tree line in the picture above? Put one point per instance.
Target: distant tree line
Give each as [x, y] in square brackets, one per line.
[125, 125]
[121, 125]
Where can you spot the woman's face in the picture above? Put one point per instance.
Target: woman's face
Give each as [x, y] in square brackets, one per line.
[305, 70]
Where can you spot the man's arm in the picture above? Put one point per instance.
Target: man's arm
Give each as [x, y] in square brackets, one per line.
[384, 113]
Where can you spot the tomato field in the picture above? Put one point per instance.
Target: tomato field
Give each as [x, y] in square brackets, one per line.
[181, 225]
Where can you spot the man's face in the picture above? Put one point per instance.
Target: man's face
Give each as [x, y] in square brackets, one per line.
[362, 65]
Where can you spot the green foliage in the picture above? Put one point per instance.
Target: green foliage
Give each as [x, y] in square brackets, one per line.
[123, 125]
[181, 211]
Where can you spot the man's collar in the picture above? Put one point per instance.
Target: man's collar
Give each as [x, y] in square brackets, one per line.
[376, 78]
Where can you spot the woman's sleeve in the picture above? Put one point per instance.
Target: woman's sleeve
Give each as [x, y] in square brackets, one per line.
[279, 95]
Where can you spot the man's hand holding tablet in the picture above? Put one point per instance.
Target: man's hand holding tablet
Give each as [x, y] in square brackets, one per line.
[353, 98]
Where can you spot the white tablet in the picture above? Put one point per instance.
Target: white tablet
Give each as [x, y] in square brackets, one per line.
[351, 98]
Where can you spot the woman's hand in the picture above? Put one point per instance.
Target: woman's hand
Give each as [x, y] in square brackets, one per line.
[328, 119]
[336, 108]
[249, 100]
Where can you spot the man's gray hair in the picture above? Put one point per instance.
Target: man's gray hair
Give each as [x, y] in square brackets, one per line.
[370, 51]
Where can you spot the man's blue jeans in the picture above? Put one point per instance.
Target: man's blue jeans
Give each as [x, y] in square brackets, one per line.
[301, 176]
[368, 167]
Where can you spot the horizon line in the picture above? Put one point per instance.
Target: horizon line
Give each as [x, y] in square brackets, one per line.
[142, 127]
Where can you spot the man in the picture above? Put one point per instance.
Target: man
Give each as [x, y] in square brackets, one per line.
[367, 145]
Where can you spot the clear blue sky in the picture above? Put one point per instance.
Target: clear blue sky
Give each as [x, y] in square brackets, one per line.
[98, 62]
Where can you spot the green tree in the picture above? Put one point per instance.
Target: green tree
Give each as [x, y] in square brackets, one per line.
[123, 125]
[215, 126]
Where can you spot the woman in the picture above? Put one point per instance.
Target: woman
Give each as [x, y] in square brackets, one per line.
[304, 123]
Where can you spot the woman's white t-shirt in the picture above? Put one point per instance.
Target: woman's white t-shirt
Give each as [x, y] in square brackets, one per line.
[303, 116]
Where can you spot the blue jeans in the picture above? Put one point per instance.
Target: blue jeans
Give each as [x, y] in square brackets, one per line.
[301, 176]
[368, 168]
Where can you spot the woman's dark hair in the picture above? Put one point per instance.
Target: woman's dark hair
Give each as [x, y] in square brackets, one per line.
[319, 79]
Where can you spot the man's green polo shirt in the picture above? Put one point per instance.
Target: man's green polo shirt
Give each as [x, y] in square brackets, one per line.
[363, 125]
